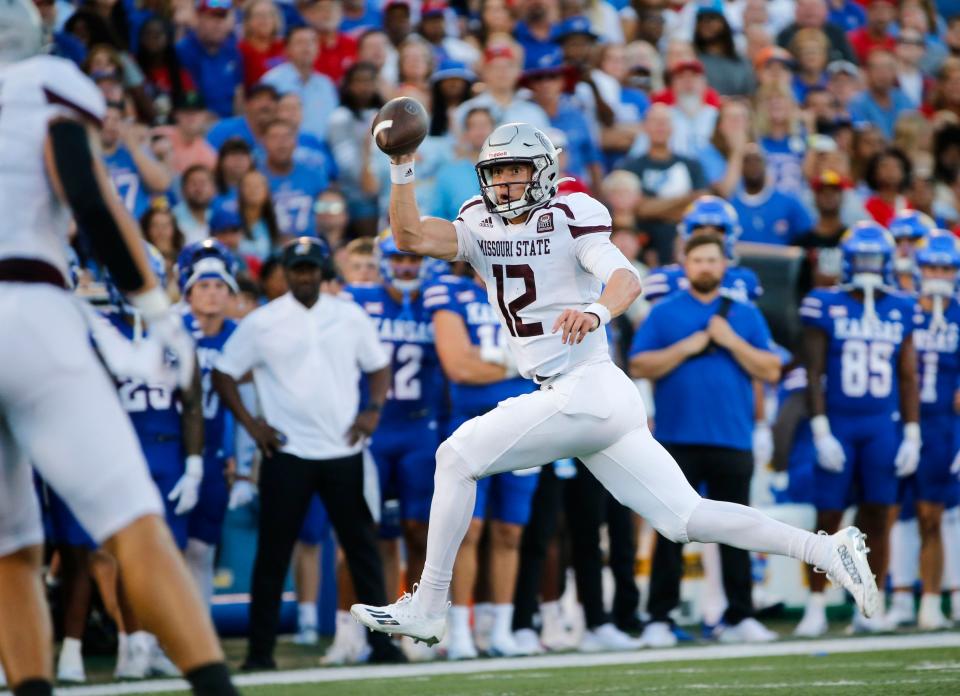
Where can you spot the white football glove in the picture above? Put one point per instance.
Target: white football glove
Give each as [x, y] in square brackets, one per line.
[762, 444]
[126, 359]
[167, 329]
[241, 493]
[500, 355]
[908, 455]
[830, 454]
[187, 491]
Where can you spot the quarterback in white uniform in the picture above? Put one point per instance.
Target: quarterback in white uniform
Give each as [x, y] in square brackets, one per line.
[556, 280]
[59, 411]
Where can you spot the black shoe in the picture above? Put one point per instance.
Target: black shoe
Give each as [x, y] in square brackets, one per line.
[258, 664]
[633, 626]
[387, 653]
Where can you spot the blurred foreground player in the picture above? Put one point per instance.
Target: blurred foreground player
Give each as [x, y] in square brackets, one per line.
[58, 409]
[544, 259]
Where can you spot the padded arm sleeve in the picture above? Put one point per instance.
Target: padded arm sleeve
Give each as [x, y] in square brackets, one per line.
[601, 257]
[73, 160]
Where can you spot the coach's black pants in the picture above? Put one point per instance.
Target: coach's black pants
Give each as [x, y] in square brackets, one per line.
[726, 473]
[286, 485]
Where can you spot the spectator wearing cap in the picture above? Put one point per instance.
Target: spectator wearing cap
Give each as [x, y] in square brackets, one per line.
[844, 82]
[680, 52]
[547, 84]
[911, 80]
[694, 118]
[876, 32]
[262, 47]
[726, 71]
[500, 72]
[810, 48]
[577, 40]
[259, 109]
[187, 143]
[193, 212]
[774, 66]
[294, 186]
[317, 93]
[813, 14]
[209, 53]
[450, 86]
[337, 50]
[227, 228]
[534, 31]
[820, 267]
[766, 215]
[397, 21]
[459, 175]
[670, 183]
[301, 345]
[882, 101]
[846, 14]
[433, 28]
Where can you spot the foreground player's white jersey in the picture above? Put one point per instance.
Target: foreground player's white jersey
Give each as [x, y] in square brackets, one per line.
[33, 92]
[554, 261]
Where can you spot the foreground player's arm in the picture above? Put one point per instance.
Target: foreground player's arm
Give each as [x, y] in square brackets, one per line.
[459, 358]
[426, 236]
[622, 289]
[268, 439]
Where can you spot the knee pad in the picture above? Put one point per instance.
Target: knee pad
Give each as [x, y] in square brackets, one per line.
[450, 462]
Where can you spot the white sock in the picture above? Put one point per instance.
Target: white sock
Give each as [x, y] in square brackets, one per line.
[902, 601]
[454, 497]
[307, 615]
[502, 620]
[950, 533]
[199, 557]
[142, 640]
[904, 552]
[745, 528]
[816, 602]
[72, 648]
[930, 602]
[459, 618]
[122, 642]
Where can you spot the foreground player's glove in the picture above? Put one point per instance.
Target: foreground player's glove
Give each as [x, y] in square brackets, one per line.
[830, 455]
[762, 444]
[187, 491]
[166, 328]
[500, 355]
[908, 456]
[125, 359]
[241, 493]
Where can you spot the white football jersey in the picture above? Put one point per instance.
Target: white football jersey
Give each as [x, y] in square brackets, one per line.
[558, 259]
[32, 93]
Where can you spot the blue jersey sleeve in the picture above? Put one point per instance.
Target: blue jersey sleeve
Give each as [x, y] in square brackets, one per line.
[815, 310]
[660, 283]
[442, 295]
[754, 288]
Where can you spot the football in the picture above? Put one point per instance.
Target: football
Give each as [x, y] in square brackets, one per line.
[400, 126]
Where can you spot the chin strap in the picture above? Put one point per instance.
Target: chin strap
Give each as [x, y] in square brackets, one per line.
[868, 283]
[938, 290]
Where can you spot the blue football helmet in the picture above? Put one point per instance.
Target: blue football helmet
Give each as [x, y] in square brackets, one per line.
[867, 248]
[911, 224]
[157, 265]
[715, 212]
[222, 264]
[939, 248]
[388, 249]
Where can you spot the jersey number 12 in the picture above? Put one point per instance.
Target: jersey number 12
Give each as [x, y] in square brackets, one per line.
[511, 311]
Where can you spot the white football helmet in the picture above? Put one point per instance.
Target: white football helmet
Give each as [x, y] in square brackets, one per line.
[519, 142]
[21, 31]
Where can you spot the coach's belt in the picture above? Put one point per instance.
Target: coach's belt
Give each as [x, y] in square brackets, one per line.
[16, 270]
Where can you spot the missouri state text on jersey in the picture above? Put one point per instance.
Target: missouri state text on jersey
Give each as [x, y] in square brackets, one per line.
[557, 259]
[863, 352]
[407, 334]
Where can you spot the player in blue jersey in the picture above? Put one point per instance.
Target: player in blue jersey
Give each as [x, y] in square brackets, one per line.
[406, 439]
[706, 215]
[908, 227]
[864, 404]
[294, 185]
[472, 349]
[207, 280]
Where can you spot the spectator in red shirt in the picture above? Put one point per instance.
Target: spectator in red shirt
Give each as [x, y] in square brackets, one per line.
[338, 51]
[262, 47]
[167, 82]
[875, 33]
[888, 176]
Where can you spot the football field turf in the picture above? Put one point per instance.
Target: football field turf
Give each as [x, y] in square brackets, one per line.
[895, 664]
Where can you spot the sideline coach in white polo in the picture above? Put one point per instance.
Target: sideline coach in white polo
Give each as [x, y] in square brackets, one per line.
[307, 352]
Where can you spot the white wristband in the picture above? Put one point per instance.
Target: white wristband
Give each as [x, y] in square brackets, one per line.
[819, 426]
[402, 173]
[152, 304]
[911, 431]
[601, 311]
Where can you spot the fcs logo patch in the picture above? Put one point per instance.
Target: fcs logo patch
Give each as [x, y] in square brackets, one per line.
[545, 223]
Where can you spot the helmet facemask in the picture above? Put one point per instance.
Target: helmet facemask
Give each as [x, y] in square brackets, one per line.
[536, 190]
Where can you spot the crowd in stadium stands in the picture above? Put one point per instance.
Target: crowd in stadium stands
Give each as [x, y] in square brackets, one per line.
[249, 122]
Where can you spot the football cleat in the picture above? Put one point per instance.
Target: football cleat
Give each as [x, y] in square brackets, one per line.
[849, 569]
[403, 618]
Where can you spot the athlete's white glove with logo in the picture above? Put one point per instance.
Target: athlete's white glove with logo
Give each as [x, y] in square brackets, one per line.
[187, 491]
[830, 455]
[167, 329]
[762, 444]
[241, 493]
[908, 456]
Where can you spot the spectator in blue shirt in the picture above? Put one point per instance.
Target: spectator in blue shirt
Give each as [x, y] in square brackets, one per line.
[294, 186]
[458, 178]
[695, 343]
[846, 14]
[767, 215]
[317, 93]
[259, 110]
[882, 101]
[64, 45]
[534, 32]
[210, 55]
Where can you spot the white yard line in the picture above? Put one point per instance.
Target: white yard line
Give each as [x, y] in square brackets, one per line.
[707, 652]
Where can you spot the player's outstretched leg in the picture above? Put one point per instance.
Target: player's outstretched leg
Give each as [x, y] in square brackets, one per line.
[641, 474]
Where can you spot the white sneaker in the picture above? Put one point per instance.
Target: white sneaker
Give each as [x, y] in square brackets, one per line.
[460, 646]
[161, 665]
[403, 618]
[483, 619]
[306, 636]
[554, 634]
[343, 650]
[658, 634]
[137, 662]
[902, 611]
[813, 624]
[417, 651]
[747, 631]
[848, 568]
[931, 617]
[528, 641]
[607, 637]
[504, 645]
[878, 623]
[70, 663]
